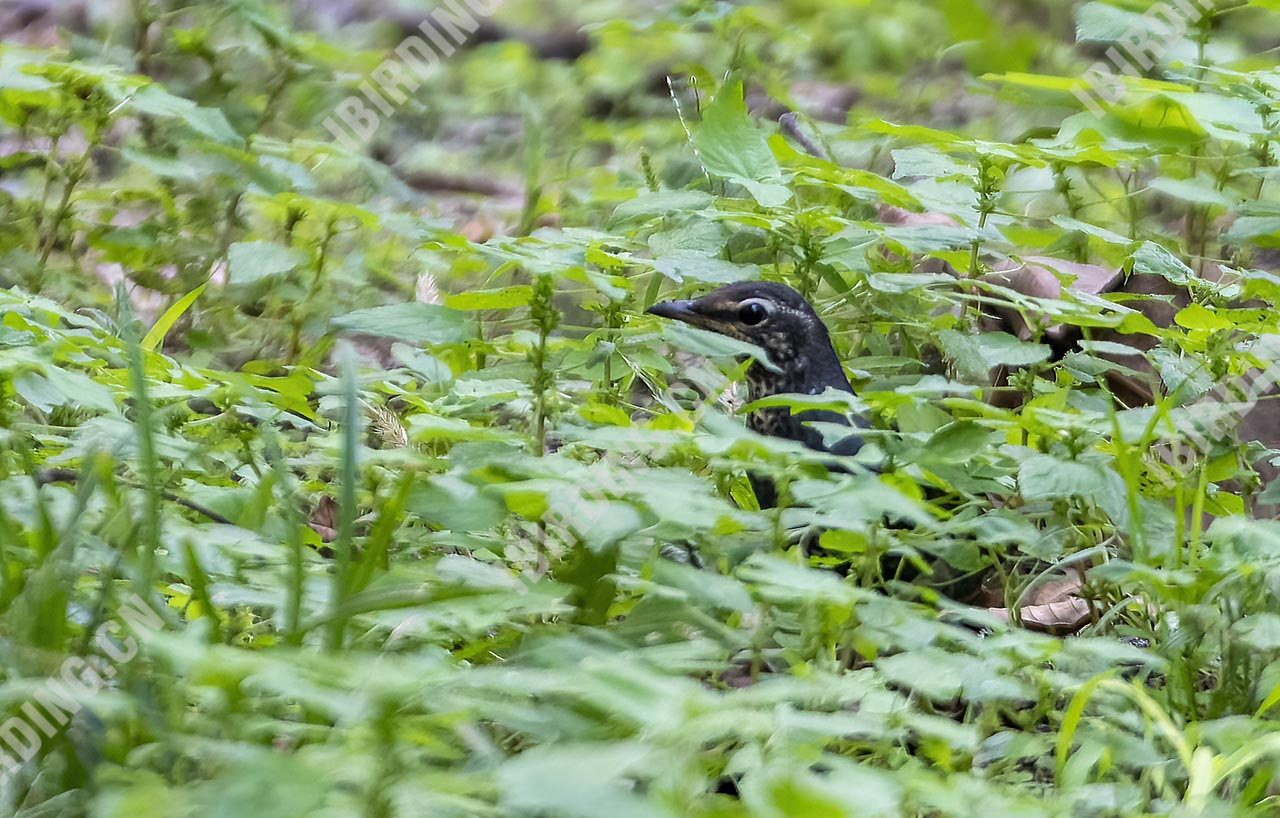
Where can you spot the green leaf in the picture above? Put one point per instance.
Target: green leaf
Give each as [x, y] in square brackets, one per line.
[1155, 259]
[832, 400]
[12, 77]
[1058, 88]
[1104, 23]
[938, 238]
[61, 387]
[1042, 477]
[1196, 316]
[731, 147]
[930, 672]
[577, 780]
[413, 323]
[600, 524]
[1185, 377]
[253, 261]
[266, 784]
[1003, 349]
[1161, 118]
[958, 442]
[505, 298]
[961, 349]
[975, 355]
[687, 264]
[901, 283]
[165, 322]
[690, 234]
[930, 163]
[1196, 191]
[1068, 223]
[165, 167]
[1259, 631]
[209, 122]
[712, 344]
[843, 788]
[430, 368]
[450, 502]
[649, 205]
[1261, 229]
[706, 589]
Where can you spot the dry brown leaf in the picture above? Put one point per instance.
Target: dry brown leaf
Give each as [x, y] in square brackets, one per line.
[1052, 607]
[325, 519]
[899, 217]
[1065, 617]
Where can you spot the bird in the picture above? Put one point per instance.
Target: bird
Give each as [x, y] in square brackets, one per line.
[778, 320]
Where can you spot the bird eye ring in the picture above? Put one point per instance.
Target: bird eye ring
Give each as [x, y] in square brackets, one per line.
[752, 313]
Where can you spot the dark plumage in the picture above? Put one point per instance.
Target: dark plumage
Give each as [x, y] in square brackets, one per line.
[777, 319]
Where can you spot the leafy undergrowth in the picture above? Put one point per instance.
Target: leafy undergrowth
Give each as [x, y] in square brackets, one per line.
[436, 522]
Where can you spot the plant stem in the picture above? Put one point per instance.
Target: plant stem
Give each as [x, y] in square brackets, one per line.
[73, 177]
[545, 318]
[149, 541]
[50, 171]
[342, 546]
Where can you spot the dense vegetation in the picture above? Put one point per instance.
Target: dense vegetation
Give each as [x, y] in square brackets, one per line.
[437, 522]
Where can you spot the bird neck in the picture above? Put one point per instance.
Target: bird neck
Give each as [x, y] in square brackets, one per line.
[813, 370]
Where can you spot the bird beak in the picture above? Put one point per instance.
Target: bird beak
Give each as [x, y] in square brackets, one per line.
[685, 311]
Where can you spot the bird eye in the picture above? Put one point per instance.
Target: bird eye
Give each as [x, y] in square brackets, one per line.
[752, 313]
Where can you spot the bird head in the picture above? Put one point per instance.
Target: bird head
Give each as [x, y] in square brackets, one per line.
[777, 319]
[772, 316]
